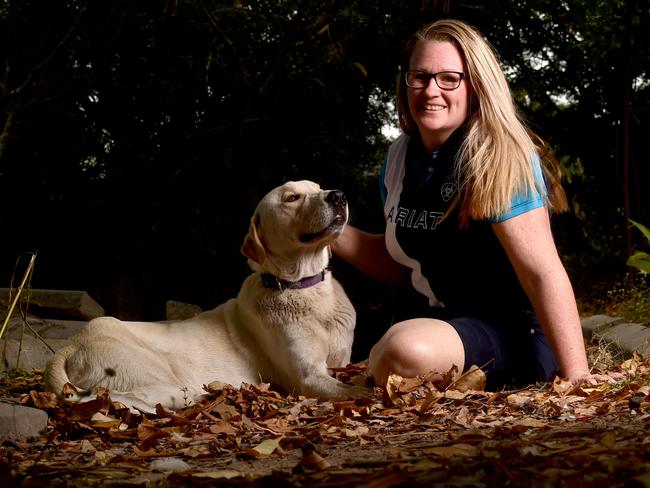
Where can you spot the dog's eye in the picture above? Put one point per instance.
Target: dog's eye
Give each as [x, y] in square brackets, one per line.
[292, 197]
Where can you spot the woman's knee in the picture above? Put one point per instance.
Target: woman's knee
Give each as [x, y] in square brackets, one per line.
[415, 347]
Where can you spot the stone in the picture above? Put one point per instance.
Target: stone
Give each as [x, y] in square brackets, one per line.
[180, 311]
[19, 423]
[33, 354]
[56, 303]
[169, 464]
[629, 337]
[597, 323]
[46, 328]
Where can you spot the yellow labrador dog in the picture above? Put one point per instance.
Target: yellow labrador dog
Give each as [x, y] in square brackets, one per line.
[290, 322]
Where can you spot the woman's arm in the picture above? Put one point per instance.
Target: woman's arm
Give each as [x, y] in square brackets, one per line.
[528, 242]
[368, 253]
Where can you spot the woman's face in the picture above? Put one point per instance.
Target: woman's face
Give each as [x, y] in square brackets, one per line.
[437, 112]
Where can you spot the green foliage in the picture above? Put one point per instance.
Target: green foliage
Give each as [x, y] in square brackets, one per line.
[639, 259]
[628, 297]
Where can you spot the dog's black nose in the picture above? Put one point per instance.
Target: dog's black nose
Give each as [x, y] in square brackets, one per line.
[335, 197]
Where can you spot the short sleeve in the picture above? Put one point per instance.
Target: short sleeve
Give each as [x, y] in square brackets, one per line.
[526, 200]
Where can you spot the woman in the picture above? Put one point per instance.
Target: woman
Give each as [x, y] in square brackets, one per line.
[467, 191]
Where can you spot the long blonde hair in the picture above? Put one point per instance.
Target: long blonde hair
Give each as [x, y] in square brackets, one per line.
[494, 161]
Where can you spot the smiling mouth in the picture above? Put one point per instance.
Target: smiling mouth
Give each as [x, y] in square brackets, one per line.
[434, 108]
[334, 226]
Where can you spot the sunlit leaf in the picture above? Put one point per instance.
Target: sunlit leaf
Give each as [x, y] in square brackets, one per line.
[642, 228]
[640, 260]
[268, 446]
[472, 379]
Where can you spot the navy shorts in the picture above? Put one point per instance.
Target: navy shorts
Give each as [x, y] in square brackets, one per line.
[513, 352]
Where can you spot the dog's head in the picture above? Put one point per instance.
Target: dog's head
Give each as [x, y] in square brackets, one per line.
[292, 227]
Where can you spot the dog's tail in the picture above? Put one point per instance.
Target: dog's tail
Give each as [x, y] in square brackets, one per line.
[56, 375]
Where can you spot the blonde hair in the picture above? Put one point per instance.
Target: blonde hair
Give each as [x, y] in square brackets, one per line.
[494, 161]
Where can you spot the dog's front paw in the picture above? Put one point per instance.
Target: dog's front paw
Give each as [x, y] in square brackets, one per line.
[350, 392]
[361, 392]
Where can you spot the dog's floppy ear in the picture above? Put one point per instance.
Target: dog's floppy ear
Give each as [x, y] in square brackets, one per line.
[252, 247]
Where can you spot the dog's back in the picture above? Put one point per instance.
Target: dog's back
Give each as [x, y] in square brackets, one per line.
[131, 356]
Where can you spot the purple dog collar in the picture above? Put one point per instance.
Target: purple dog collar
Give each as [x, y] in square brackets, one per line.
[274, 283]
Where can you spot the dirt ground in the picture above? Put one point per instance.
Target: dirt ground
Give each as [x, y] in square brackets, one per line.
[410, 433]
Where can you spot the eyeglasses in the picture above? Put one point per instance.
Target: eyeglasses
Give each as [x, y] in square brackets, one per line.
[446, 80]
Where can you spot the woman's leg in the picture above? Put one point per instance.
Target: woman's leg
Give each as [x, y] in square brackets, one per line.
[514, 354]
[414, 347]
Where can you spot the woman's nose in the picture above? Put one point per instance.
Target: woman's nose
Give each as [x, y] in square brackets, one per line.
[432, 88]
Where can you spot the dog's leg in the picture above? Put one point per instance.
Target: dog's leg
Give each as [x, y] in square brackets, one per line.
[326, 387]
[145, 398]
[310, 375]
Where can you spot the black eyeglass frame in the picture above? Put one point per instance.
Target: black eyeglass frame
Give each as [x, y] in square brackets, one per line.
[435, 77]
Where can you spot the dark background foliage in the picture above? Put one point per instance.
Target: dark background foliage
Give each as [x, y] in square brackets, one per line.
[137, 137]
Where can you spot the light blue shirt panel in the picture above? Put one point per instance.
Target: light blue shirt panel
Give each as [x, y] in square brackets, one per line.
[525, 201]
[521, 203]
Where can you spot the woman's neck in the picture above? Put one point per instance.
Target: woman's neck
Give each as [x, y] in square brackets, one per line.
[434, 142]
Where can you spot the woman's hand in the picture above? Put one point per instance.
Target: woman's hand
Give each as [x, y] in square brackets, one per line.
[594, 379]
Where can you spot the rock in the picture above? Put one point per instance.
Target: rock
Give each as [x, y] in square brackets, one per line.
[629, 337]
[597, 323]
[20, 423]
[169, 464]
[33, 355]
[57, 303]
[180, 311]
[46, 328]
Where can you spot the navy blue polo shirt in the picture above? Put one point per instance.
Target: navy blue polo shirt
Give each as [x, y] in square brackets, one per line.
[464, 270]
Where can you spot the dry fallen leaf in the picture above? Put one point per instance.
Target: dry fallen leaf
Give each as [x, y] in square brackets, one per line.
[268, 446]
[562, 387]
[459, 449]
[392, 389]
[472, 379]
[433, 396]
[543, 430]
[311, 460]
[219, 474]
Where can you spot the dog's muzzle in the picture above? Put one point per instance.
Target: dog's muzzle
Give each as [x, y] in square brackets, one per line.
[336, 198]
[337, 203]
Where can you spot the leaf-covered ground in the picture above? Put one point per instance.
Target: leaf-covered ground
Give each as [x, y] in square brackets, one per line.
[411, 433]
